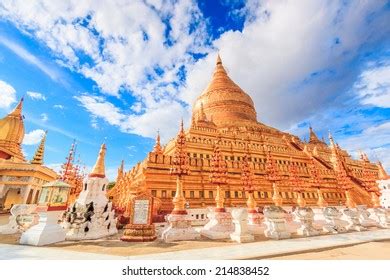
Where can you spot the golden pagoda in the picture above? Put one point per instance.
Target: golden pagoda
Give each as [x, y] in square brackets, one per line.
[226, 115]
[20, 180]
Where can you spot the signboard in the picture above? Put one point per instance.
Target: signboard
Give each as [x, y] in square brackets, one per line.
[141, 210]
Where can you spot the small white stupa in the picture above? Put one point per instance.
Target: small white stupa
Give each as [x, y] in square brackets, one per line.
[91, 216]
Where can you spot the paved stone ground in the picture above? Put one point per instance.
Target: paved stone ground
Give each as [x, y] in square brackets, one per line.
[321, 247]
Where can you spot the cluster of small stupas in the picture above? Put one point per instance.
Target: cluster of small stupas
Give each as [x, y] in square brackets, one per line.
[323, 173]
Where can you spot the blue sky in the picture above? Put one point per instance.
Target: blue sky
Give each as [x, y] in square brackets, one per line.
[118, 71]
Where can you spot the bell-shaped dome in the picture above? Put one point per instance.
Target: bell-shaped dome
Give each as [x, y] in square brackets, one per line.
[12, 134]
[223, 101]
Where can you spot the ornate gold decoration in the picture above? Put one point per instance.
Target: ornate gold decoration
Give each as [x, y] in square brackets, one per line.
[296, 183]
[12, 134]
[218, 176]
[180, 168]
[247, 182]
[72, 174]
[40, 152]
[157, 147]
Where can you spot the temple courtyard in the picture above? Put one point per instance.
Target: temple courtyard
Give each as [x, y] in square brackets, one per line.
[373, 244]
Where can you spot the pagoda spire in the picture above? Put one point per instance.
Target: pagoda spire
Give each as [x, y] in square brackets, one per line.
[382, 174]
[364, 157]
[157, 147]
[219, 60]
[12, 134]
[99, 169]
[331, 141]
[313, 137]
[120, 170]
[202, 115]
[18, 109]
[40, 152]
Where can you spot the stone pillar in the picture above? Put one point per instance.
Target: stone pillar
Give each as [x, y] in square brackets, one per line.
[241, 233]
[333, 222]
[305, 216]
[275, 221]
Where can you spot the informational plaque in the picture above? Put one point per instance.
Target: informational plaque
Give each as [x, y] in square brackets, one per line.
[141, 211]
[141, 227]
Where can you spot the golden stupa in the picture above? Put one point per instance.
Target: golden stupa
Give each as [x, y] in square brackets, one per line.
[226, 115]
[20, 180]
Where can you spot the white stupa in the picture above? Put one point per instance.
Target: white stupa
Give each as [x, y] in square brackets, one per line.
[95, 184]
[91, 216]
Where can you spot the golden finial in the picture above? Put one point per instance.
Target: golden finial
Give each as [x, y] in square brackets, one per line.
[313, 137]
[120, 170]
[18, 109]
[40, 152]
[202, 115]
[331, 141]
[157, 147]
[99, 170]
[182, 125]
[219, 60]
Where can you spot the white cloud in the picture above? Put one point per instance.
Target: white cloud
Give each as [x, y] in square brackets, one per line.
[27, 56]
[160, 117]
[57, 167]
[36, 95]
[7, 95]
[44, 117]
[293, 57]
[99, 107]
[373, 86]
[374, 140]
[33, 137]
[59, 106]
